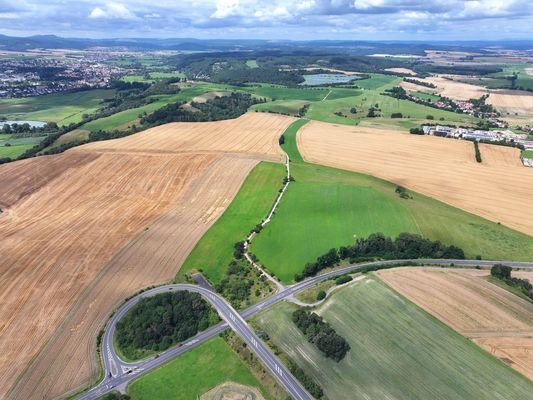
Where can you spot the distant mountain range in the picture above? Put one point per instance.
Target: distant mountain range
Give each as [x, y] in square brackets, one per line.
[190, 44]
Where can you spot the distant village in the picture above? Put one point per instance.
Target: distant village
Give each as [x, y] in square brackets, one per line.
[35, 77]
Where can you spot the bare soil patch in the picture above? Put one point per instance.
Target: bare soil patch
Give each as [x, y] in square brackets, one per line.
[209, 96]
[497, 320]
[232, 391]
[498, 189]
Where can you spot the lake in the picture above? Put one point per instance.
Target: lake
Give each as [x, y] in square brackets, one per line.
[36, 124]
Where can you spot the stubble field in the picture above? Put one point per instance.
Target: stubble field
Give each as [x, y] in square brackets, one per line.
[100, 226]
[254, 134]
[444, 169]
[497, 320]
[448, 87]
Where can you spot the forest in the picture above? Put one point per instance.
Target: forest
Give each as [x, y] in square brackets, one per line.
[219, 108]
[159, 322]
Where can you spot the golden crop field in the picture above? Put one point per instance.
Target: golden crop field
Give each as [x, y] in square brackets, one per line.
[83, 230]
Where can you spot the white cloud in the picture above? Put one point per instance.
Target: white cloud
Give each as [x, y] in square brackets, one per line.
[97, 13]
[112, 11]
[297, 19]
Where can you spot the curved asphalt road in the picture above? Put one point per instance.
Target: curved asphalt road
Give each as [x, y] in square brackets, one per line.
[119, 373]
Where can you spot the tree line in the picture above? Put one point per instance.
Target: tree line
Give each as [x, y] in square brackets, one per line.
[420, 83]
[503, 273]
[158, 322]
[321, 334]
[379, 247]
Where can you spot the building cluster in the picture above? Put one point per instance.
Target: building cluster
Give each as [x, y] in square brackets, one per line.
[474, 134]
[496, 136]
[37, 76]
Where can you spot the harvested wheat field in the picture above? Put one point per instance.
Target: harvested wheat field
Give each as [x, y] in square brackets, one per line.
[513, 101]
[405, 71]
[448, 87]
[499, 190]
[497, 320]
[254, 134]
[76, 243]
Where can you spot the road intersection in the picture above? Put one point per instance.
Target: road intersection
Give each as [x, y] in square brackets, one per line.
[118, 373]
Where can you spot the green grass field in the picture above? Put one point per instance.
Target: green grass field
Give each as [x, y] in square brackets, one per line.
[290, 146]
[152, 77]
[290, 107]
[63, 108]
[340, 206]
[527, 153]
[214, 251]
[336, 210]
[277, 92]
[16, 146]
[426, 96]
[14, 151]
[524, 79]
[194, 373]
[252, 64]
[398, 351]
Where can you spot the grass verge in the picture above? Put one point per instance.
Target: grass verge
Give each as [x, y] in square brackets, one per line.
[194, 373]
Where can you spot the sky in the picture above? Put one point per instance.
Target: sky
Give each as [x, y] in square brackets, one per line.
[272, 19]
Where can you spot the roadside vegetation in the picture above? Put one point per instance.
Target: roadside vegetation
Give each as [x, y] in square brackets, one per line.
[159, 322]
[243, 285]
[503, 273]
[194, 373]
[378, 247]
[397, 350]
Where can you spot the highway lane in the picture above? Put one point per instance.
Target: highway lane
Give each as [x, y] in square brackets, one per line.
[119, 373]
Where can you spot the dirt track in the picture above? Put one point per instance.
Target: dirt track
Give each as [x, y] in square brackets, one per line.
[499, 189]
[497, 320]
[106, 223]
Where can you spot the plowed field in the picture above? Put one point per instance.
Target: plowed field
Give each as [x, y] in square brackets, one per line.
[85, 229]
[499, 189]
[497, 320]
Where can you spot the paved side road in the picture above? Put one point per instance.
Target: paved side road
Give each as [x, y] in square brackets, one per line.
[119, 373]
